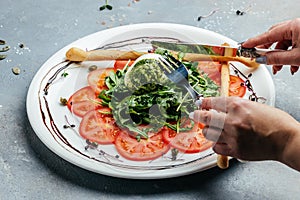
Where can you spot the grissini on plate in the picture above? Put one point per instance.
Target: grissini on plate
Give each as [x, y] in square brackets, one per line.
[79, 55]
[223, 161]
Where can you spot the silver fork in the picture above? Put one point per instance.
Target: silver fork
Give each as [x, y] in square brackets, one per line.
[177, 73]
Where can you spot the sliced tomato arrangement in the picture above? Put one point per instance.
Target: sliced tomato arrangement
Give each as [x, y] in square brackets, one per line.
[236, 86]
[145, 149]
[98, 127]
[82, 101]
[192, 141]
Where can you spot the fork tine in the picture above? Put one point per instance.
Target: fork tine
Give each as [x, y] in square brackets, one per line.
[178, 73]
[166, 65]
[173, 60]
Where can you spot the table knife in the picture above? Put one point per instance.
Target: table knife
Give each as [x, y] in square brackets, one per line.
[209, 49]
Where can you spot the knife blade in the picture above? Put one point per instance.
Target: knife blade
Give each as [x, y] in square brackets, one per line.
[209, 49]
[194, 48]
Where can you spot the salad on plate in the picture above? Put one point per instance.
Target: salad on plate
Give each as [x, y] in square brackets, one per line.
[134, 107]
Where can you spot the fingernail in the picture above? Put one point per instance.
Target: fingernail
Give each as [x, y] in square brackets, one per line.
[198, 103]
[191, 115]
[261, 60]
[292, 71]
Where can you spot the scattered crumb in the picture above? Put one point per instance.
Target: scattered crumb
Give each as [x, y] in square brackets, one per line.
[112, 18]
[21, 45]
[2, 57]
[16, 70]
[76, 22]
[63, 101]
[93, 67]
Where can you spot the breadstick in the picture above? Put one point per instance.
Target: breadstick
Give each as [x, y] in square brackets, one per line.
[79, 55]
[222, 161]
[203, 57]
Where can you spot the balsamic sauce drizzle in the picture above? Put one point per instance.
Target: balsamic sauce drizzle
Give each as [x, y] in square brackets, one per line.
[54, 76]
[45, 93]
[53, 125]
[253, 96]
[136, 41]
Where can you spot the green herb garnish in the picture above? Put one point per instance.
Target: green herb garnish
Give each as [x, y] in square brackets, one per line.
[105, 6]
[65, 74]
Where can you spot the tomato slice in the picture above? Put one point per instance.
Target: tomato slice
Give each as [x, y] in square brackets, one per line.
[145, 149]
[221, 50]
[236, 87]
[192, 141]
[212, 69]
[99, 128]
[82, 101]
[120, 64]
[96, 79]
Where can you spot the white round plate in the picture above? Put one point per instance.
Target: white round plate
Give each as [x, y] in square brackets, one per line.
[48, 117]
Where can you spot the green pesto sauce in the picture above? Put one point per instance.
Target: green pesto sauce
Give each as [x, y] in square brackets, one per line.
[146, 71]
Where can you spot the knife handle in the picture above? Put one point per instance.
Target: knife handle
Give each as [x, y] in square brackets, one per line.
[255, 52]
[263, 52]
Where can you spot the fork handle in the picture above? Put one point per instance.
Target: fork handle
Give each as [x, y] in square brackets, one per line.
[191, 91]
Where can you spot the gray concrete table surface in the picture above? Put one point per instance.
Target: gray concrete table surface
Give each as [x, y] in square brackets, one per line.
[29, 170]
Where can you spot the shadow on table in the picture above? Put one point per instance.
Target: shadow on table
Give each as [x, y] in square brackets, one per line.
[76, 175]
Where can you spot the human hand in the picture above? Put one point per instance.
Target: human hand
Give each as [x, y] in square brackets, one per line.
[246, 130]
[287, 36]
